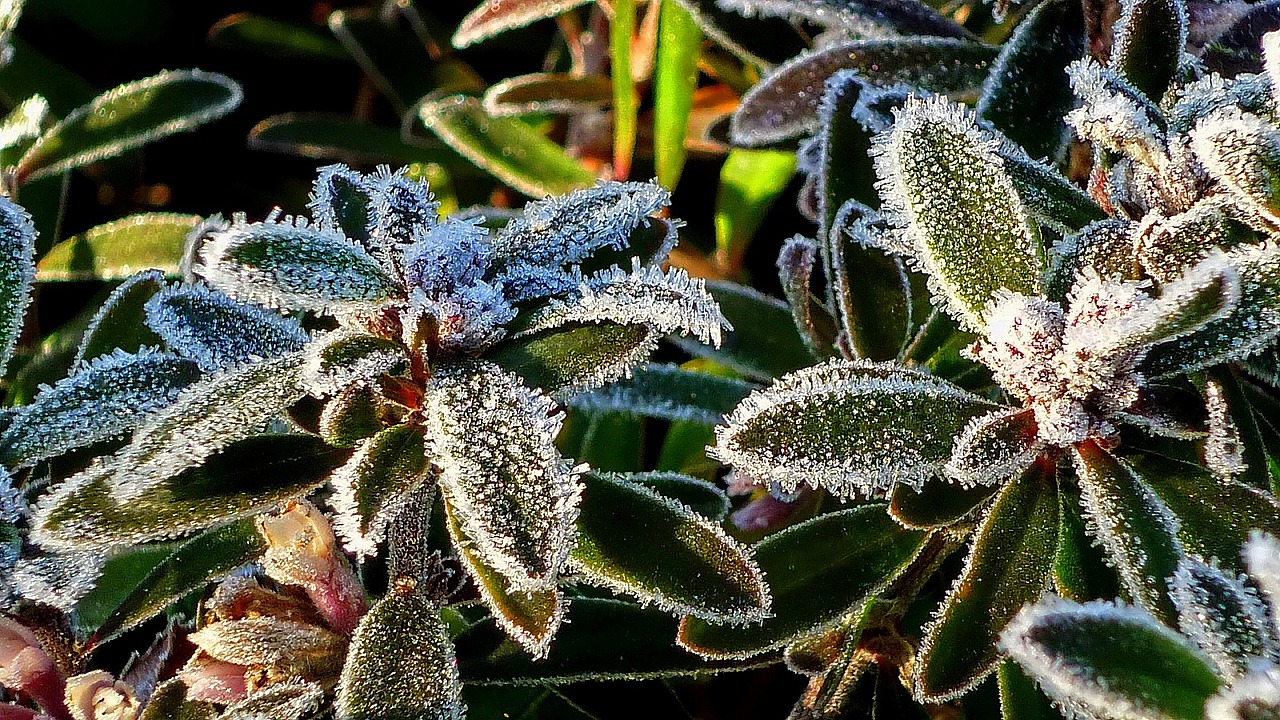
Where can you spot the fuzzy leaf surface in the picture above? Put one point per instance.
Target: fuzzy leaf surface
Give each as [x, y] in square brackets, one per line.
[370, 487]
[1225, 617]
[17, 270]
[763, 344]
[218, 332]
[120, 322]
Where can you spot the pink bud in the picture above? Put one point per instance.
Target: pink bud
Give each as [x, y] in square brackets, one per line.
[98, 695]
[302, 550]
[215, 681]
[28, 669]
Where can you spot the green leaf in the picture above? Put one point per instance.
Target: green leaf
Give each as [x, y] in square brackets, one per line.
[1105, 246]
[1149, 39]
[1225, 617]
[851, 427]
[505, 147]
[668, 392]
[785, 104]
[567, 357]
[323, 136]
[17, 257]
[353, 414]
[242, 480]
[1080, 571]
[1007, 567]
[675, 78]
[1108, 660]
[101, 400]
[639, 642]
[169, 702]
[530, 618]
[701, 496]
[1027, 94]
[1020, 699]
[217, 332]
[499, 16]
[120, 248]
[1133, 526]
[750, 182]
[1242, 152]
[369, 489]
[626, 104]
[128, 117]
[938, 503]
[401, 663]
[1171, 245]
[249, 33]
[118, 576]
[1050, 197]
[547, 93]
[120, 323]
[21, 127]
[343, 358]
[958, 208]
[764, 343]
[29, 72]
[189, 568]
[818, 572]
[635, 541]
[756, 41]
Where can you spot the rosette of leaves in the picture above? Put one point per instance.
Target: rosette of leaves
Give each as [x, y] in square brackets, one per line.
[1086, 403]
[440, 354]
[1106, 660]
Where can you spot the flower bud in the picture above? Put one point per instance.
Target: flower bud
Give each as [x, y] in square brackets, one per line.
[98, 695]
[25, 667]
[302, 550]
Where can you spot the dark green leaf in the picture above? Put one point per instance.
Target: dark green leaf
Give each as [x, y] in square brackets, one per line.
[703, 497]
[169, 702]
[1149, 41]
[322, 136]
[563, 358]
[938, 503]
[370, 487]
[1020, 699]
[247, 32]
[668, 392]
[120, 323]
[498, 16]
[1080, 571]
[547, 93]
[764, 343]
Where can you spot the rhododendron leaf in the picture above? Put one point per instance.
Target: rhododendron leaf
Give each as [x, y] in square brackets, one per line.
[117, 249]
[130, 116]
[332, 136]
[288, 265]
[120, 323]
[191, 566]
[785, 103]
[1027, 93]
[170, 702]
[102, 399]
[675, 81]
[635, 541]
[216, 331]
[1132, 524]
[343, 358]
[1149, 39]
[17, 270]
[994, 447]
[1020, 699]
[1225, 617]
[352, 415]
[759, 41]
[1008, 566]
[530, 618]
[492, 18]
[701, 496]
[937, 503]
[1080, 570]
[1104, 247]
[1204, 293]
[507, 148]
[401, 664]
[1170, 245]
[1110, 660]
[1215, 515]
[1051, 198]
[241, 480]
[370, 487]
[289, 700]
[795, 271]
[763, 344]
[850, 427]
[562, 360]
[961, 218]
[818, 572]
[868, 17]
[1242, 151]
[341, 200]
[493, 440]
[547, 93]
[1114, 114]
[668, 392]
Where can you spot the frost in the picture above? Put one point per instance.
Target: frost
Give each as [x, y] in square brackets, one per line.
[1262, 555]
[26, 121]
[876, 105]
[1224, 617]
[13, 503]
[1114, 114]
[668, 392]
[865, 18]
[1242, 151]
[372, 486]
[401, 206]
[667, 302]
[59, 579]
[342, 358]
[290, 646]
[1201, 98]
[493, 440]
[101, 399]
[293, 699]
[340, 199]
[218, 332]
[1256, 696]
[1223, 449]
[17, 272]
[994, 447]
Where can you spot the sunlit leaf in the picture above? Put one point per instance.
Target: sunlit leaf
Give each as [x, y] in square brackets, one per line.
[667, 392]
[547, 93]
[498, 16]
[370, 487]
[17, 257]
[675, 78]
[750, 182]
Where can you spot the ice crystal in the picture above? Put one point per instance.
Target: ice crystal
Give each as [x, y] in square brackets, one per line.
[1114, 114]
[1224, 617]
[1256, 696]
[59, 579]
[217, 332]
[17, 272]
[1223, 450]
[342, 358]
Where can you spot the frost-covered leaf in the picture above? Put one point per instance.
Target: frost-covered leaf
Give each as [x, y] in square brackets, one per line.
[764, 343]
[1114, 114]
[1133, 525]
[120, 323]
[1149, 41]
[1207, 292]
[547, 93]
[170, 702]
[1110, 661]
[818, 572]
[289, 700]
[1166, 247]
[785, 103]
[1020, 699]
[120, 248]
[498, 16]
[493, 440]
[344, 358]
[509, 149]
[1104, 247]
[530, 618]
[1026, 93]
[1242, 151]
[292, 265]
[1224, 617]
[871, 18]
[1049, 197]
[217, 332]
[668, 392]
[961, 218]
[702, 496]
[851, 427]
[240, 481]
[1211, 93]
[59, 579]
[568, 358]
[130, 116]
[341, 202]
[795, 270]
[1262, 556]
[370, 487]
[1080, 570]
[1007, 567]
[17, 258]
[938, 503]
[994, 447]
[1253, 325]
[401, 206]
[283, 645]
[353, 414]
[190, 567]
[635, 541]
[1256, 695]
[401, 664]
[103, 399]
